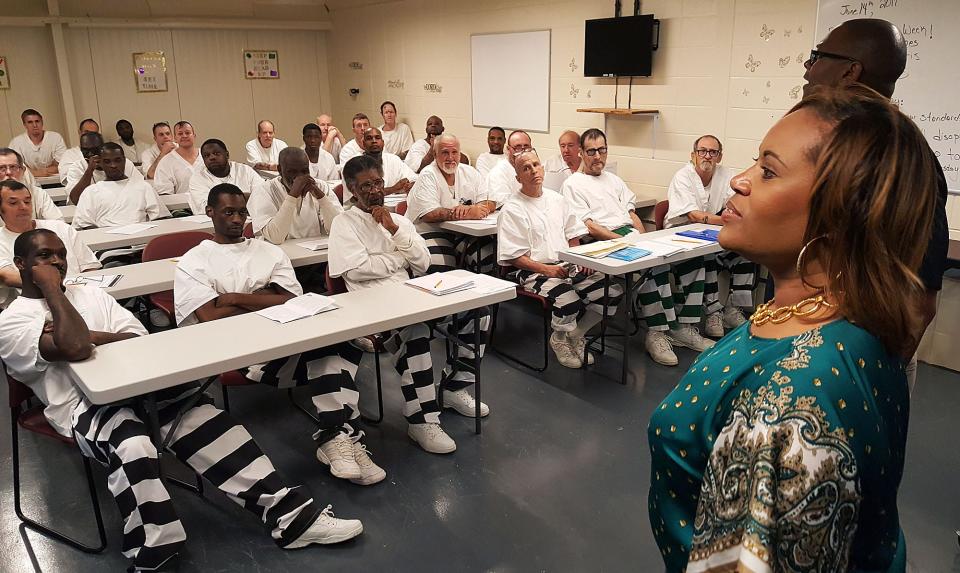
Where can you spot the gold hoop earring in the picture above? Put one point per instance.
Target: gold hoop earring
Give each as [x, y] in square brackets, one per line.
[800, 265]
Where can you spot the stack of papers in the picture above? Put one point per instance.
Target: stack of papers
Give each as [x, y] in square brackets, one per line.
[133, 228]
[629, 254]
[485, 284]
[102, 281]
[658, 249]
[600, 249]
[316, 244]
[683, 243]
[443, 283]
[393, 200]
[488, 221]
[712, 235]
[202, 219]
[299, 307]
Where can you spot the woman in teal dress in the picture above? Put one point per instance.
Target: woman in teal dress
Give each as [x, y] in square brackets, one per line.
[782, 447]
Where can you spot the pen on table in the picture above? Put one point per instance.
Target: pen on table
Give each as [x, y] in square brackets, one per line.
[687, 241]
[439, 282]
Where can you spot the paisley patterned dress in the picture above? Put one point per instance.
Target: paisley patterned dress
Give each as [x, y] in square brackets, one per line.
[782, 455]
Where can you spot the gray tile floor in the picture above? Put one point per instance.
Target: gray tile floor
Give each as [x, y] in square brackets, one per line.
[557, 482]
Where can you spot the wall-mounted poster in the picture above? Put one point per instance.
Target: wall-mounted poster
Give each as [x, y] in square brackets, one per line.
[4, 75]
[150, 71]
[261, 64]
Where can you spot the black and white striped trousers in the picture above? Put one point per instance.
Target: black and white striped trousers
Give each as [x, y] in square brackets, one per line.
[207, 439]
[446, 249]
[743, 280]
[573, 296]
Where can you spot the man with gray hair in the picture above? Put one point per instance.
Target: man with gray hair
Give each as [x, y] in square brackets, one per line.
[264, 151]
[13, 168]
[559, 167]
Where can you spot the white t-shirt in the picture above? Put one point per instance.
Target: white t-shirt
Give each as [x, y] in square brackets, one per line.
[398, 140]
[211, 269]
[604, 198]
[539, 227]
[312, 217]
[79, 256]
[69, 157]
[686, 193]
[366, 255]
[486, 160]
[556, 171]
[256, 153]
[43, 205]
[117, 203]
[335, 149]
[349, 151]
[80, 167]
[202, 181]
[325, 169]
[148, 156]
[432, 192]
[51, 149]
[135, 152]
[416, 154]
[173, 173]
[500, 183]
[394, 169]
[21, 326]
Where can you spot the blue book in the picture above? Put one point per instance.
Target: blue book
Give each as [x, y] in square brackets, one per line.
[704, 235]
[629, 254]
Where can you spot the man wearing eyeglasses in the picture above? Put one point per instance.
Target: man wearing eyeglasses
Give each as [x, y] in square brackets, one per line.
[697, 193]
[73, 154]
[501, 181]
[606, 206]
[873, 52]
[558, 168]
[12, 168]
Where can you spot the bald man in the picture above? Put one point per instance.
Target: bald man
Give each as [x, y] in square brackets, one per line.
[333, 140]
[501, 182]
[872, 52]
[559, 167]
[264, 151]
[421, 152]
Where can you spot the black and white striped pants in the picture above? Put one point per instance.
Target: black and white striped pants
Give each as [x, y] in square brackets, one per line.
[743, 279]
[572, 297]
[207, 439]
[446, 250]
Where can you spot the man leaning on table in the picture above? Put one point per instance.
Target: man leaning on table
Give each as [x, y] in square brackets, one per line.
[369, 247]
[697, 193]
[51, 325]
[606, 206]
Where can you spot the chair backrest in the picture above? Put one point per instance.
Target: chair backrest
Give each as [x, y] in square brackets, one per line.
[334, 285]
[465, 158]
[660, 213]
[173, 245]
[248, 230]
[338, 191]
[402, 208]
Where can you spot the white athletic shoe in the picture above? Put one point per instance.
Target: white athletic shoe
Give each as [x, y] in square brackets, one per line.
[338, 454]
[327, 529]
[372, 473]
[579, 345]
[713, 326]
[159, 318]
[689, 337]
[431, 438]
[463, 403]
[660, 349]
[733, 317]
[566, 354]
[363, 343]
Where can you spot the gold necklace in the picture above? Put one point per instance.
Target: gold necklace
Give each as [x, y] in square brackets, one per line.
[805, 307]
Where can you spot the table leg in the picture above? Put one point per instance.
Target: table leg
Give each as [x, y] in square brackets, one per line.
[628, 278]
[477, 333]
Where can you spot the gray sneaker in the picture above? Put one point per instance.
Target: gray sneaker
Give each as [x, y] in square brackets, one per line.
[566, 354]
[660, 349]
[689, 337]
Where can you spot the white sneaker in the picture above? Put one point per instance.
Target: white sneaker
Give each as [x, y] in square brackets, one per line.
[327, 529]
[431, 438]
[660, 349]
[159, 318]
[733, 317]
[579, 345]
[713, 326]
[690, 337]
[463, 403]
[363, 343]
[566, 355]
[338, 454]
[372, 473]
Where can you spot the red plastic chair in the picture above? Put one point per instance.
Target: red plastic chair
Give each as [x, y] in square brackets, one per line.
[546, 309]
[31, 419]
[338, 191]
[248, 231]
[402, 208]
[660, 213]
[165, 247]
[338, 286]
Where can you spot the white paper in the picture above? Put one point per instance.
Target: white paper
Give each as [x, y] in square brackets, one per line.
[393, 200]
[485, 284]
[657, 249]
[131, 229]
[298, 307]
[683, 243]
[320, 244]
[196, 219]
[102, 281]
[443, 283]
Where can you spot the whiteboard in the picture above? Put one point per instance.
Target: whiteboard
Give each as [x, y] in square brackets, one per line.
[927, 91]
[510, 80]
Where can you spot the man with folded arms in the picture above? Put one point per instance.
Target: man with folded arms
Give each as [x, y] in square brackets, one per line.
[323, 166]
[50, 325]
[606, 206]
[162, 145]
[535, 224]
[217, 168]
[231, 275]
[354, 147]
[333, 140]
[264, 151]
[369, 247]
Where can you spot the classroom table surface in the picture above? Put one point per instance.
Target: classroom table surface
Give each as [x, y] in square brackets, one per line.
[57, 194]
[100, 239]
[48, 180]
[173, 202]
[157, 276]
[615, 267]
[137, 366]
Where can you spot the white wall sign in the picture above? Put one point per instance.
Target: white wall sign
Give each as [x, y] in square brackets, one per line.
[150, 71]
[261, 64]
[4, 74]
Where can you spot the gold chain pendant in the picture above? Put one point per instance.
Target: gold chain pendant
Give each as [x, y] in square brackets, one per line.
[805, 307]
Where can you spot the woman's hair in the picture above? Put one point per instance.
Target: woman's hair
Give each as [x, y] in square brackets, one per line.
[871, 211]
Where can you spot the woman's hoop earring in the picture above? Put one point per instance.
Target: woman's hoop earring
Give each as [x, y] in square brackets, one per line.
[801, 266]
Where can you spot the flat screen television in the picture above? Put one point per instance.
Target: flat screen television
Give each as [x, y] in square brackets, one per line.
[619, 46]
